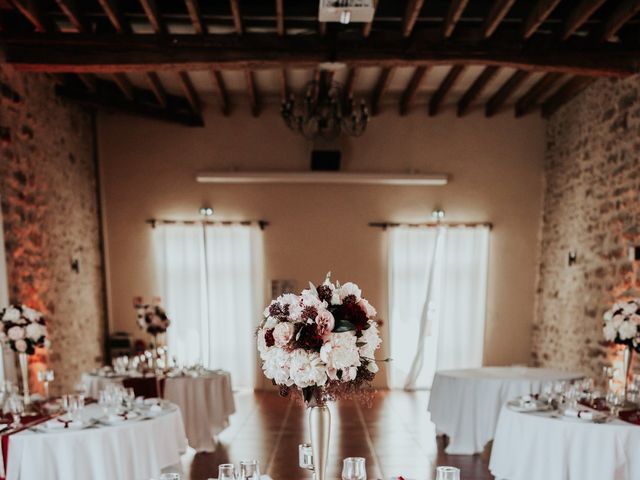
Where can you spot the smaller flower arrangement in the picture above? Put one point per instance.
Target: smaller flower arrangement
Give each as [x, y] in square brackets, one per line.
[22, 328]
[151, 316]
[622, 324]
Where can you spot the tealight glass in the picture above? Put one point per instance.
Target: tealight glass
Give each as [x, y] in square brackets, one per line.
[447, 473]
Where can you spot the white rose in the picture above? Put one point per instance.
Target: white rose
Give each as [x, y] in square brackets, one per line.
[629, 308]
[635, 318]
[609, 333]
[16, 333]
[270, 323]
[627, 330]
[349, 289]
[617, 320]
[340, 351]
[30, 314]
[366, 306]
[283, 333]
[608, 315]
[307, 369]
[34, 331]
[373, 367]
[276, 366]
[11, 314]
[20, 345]
[371, 340]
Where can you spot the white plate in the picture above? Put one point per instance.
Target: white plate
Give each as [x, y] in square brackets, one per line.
[533, 406]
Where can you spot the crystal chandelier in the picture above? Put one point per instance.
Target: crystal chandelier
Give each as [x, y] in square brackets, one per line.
[324, 112]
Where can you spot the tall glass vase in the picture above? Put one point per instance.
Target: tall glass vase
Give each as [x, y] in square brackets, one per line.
[320, 426]
[627, 359]
[24, 371]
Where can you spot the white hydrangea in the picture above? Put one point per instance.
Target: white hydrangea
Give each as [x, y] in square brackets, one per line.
[340, 351]
[307, 369]
[277, 366]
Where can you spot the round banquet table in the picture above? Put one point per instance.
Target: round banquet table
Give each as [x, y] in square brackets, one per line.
[465, 404]
[206, 402]
[134, 449]
[537, 446]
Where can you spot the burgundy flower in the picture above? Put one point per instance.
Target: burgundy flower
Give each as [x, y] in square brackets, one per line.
[309, 313]
[352, 312]
[324, 293]
[308, 337]
[268, 338]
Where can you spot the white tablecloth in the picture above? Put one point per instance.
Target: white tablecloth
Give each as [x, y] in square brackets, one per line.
[134, 450]
[206, 403]
[465, 404]
[531, 446]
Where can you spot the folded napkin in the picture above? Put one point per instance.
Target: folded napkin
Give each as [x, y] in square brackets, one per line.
[121, 417]
[583, 414]
[61, 423]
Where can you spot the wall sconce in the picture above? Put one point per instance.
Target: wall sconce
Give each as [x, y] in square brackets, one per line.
[437, 214]
[573, 258]
[206, 211]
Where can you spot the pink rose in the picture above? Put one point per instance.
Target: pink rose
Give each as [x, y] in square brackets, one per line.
[325, 323]
[283, 333]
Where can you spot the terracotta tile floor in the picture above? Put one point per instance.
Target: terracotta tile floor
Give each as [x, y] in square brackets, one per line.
[395, 436]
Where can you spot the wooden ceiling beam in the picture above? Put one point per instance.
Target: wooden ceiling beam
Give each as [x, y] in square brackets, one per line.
[156, 87]
[32, 11]
[125, 85]
[412, 88]
[411, 15]
[70, 9]
[254, 99]
[193, 8]
[440, 94]
[579, 15]
[150, 8]
[624, 12]
[280, 17]
[237, 17]
[89, 81]
[499, 10]
[540, 12]
[530, 100]
[456, 8]
[381, 87]
[498, 99]
[95, 53]
[114, 14]
[190, 92]
[565, 94]
[221, 92]
[476, 89]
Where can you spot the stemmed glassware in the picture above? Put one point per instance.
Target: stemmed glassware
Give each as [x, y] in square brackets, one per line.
[45, 377]
[14, 406]
[249, 470]
[447, 473]
[354, 468]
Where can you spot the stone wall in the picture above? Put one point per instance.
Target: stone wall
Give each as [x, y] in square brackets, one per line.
[591, 207]
[50, 213]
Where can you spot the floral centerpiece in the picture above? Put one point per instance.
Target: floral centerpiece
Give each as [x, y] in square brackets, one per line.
[23, 329]
[321, 343]
[622, 326]
[151, 317]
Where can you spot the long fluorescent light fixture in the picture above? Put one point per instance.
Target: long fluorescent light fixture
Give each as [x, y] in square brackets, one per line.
[408, 180]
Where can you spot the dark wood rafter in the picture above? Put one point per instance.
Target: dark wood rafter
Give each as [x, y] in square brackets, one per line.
[32, 11]
[624, 12]
[115, 16]
[280, 17]
[156, 87]
[125, 85]
[284, 85]
[499, 10]
[579, 16]
[190, 92]
[89, 81]
[440, 94]
[193, 8]
[531, 99]
[70, 9]
[150, 8]
[367, 27]
[221, 92]
[73, 52]
[456, 8]
[498, 99]
[411, 15]
[565, 93]
[381, 87]
[476, 89]
[254, 100]
[541, 10]
[108, 97]
[412, 88]
[237, 17]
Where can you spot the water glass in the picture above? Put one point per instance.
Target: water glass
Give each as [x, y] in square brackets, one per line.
[15, 407]
[250, 469]
[227, 471]
[305, 456]
[170, 476]
[45, 377]
[354, 468]
[447, 473]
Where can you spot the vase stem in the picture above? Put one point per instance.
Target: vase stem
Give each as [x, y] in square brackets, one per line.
[24, 370]
[320, 426]
[626, 368]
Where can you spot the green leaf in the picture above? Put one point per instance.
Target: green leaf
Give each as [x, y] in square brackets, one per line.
[360, 344]
[343, 326]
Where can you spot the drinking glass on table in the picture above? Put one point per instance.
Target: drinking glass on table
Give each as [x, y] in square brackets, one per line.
[170, 476]
[354, 468]
[45, 377]
[447, 473]
[14, 406]
[227, 471]
[615, 401]
[249, 470]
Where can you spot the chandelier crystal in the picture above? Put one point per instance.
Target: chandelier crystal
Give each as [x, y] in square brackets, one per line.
[324, 111]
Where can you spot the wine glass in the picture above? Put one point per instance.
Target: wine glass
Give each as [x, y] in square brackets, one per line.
[45, 377]
[14, 407]
[227, 471]
[250, 469]
[170, 476]
[447, 473]
[353, 468]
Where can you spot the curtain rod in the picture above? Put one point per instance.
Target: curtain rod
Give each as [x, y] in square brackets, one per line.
[385, 225]
[226, 223]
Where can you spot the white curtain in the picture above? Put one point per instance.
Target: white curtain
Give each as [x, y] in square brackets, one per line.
[211, 285]
[438, 284]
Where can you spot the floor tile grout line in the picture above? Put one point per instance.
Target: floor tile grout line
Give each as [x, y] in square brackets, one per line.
[369, 440]
[283, 426]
